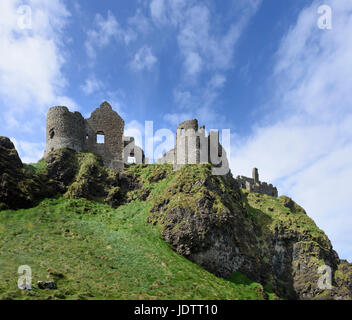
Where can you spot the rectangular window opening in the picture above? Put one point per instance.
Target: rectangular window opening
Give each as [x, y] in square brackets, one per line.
[100, 138]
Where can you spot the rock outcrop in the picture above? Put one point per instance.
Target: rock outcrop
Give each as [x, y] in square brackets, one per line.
[206, 218]
[63, 172]
[209, 220]
[11, 176]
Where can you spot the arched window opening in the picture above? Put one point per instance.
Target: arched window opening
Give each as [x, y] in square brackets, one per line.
[52, 133]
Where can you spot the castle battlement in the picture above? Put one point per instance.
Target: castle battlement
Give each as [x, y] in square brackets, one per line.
[103, 134]
[254, 185]
[193, 146]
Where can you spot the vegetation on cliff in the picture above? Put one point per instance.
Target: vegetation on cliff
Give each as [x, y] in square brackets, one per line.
[150, 232]
[95, 252]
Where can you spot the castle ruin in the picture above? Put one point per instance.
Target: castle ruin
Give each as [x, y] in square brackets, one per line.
[101, 134]
[254, 185]
[193, 146]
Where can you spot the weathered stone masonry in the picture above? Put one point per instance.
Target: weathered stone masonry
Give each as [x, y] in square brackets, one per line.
[67, 129]
[193, 146]
[254, 185]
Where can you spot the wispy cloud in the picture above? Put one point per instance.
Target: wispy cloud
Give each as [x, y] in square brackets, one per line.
[140, 23]
[31, 59]
[200, 45]
[306, 148]
[144, 59]
[207, 52]
[104, 31]
[91, 85]
[30, 152]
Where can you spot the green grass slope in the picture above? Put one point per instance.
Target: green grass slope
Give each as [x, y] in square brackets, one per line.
[283, 213]
[95, 252]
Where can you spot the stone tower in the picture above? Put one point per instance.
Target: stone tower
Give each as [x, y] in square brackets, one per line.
[64, 129]
[189, 141]
[67, 129]
[106, 122]
[193, 146]
[255, 175]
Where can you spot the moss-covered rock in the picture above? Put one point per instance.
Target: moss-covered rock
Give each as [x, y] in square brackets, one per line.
[203, 219]
[62, 166]
[91, 180]
[206, 218]
[62, 172]
[209, 220]
[20, 185]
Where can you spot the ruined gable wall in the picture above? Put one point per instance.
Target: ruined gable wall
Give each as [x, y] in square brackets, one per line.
[104, 120]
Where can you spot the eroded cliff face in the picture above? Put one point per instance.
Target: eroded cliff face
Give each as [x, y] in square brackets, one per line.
[208, 219]
[10, 175]
[62, 173]
[19, 186]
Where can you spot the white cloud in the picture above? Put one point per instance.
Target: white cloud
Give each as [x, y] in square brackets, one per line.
[144, 59]
[306, 148]
[29, 152]
[140, 22]
[207, 52]
[199, 103]
[157, 10]
[136, 130]
[176, 118]
[217, 81]
[200, 45]
[91, 85]
[31, 60]
[104, 31]
[193, 63]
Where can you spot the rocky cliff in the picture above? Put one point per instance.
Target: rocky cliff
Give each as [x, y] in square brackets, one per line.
[207, 219]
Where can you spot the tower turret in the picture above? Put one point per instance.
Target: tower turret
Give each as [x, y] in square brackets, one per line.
[64, 129]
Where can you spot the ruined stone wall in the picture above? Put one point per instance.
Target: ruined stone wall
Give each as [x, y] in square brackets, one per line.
[132, 150]
[184, 142]
[193, 146]
[105, 121]
[70, 130]
[254, 185]
[64, 129]
[168, 157]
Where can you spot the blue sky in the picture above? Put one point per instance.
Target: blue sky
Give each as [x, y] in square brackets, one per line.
[261, 68]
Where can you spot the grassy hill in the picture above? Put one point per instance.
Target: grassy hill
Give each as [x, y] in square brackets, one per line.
[151, 233]
[95, 252]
